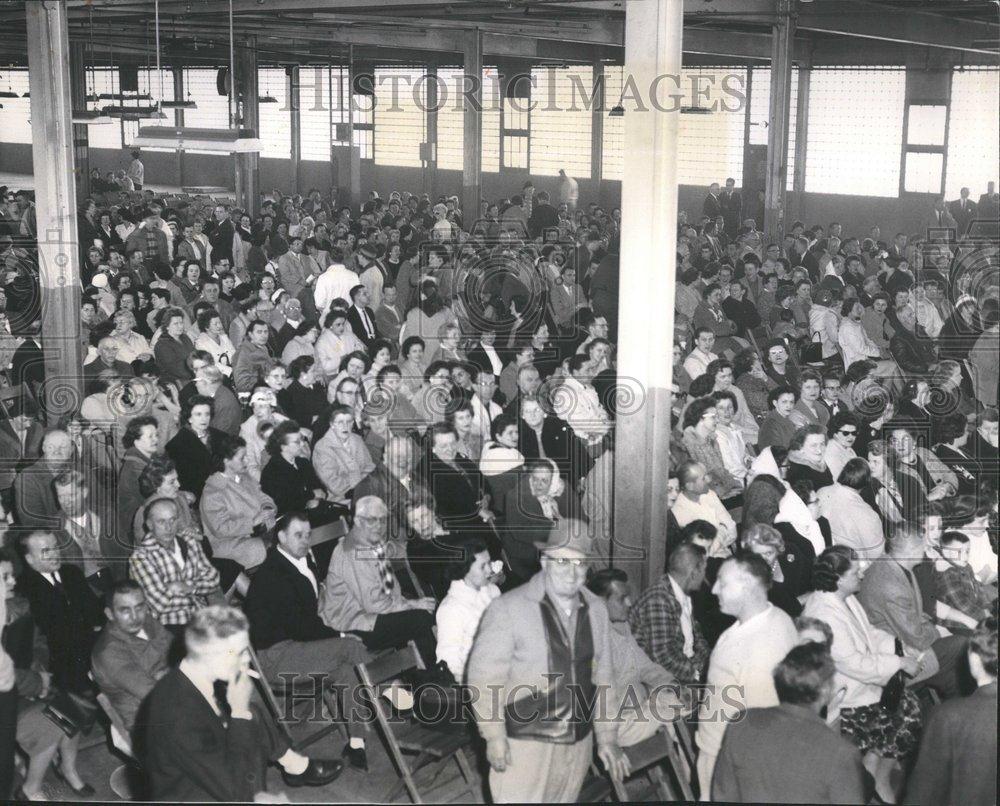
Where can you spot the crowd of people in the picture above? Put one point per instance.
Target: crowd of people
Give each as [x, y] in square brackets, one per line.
[439, 385]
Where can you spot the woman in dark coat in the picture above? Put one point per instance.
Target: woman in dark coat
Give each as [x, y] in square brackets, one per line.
[195, 447]
[289, 478]
[539, 434]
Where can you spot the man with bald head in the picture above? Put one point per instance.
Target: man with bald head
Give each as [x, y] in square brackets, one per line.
[34, 496]
[107, 358]
[363, 596]
[172, 569]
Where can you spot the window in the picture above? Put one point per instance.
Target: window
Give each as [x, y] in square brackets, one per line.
[213, 109]
[973, 130]
[710, 145]
[491, 121]
[560, 121]
[516, 121]
[923, 158]
[275, 119]
[760, 115]
[855, 131]
[613, 131]
[103, 135]
[149, 82]
[400, 120]
[16, 112]
[450, 123]
[314, 110]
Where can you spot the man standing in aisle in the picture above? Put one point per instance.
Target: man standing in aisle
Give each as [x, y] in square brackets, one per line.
[569, 191]
[541, 652]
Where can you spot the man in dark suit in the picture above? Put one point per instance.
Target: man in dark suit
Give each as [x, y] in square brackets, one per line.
[65, 609]
[543, 216]
[788, 754]
[958, 754]
[20, 443]
[199, 737]
[988, 207]
[285, 627]
[34, 497]
[712, 207]
[938, 219]
[362, 318]
[220, 235]
[731, 202]
[963, 210]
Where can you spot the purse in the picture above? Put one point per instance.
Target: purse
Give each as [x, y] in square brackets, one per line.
[70, 713]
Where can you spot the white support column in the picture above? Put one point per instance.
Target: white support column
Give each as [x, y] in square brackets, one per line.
[653, 33]
[472, 126]
[780, 112]
[55, 203]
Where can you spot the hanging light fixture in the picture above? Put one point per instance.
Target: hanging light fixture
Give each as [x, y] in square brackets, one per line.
[187, 103]
[266, 98]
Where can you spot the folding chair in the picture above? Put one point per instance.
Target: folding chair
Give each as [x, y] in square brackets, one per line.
[411, 745]
[272, 689]
[118, 733]
[647, 756]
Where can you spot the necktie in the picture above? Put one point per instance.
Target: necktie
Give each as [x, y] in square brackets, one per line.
[369, 331]
[384, 569]
[220, 690]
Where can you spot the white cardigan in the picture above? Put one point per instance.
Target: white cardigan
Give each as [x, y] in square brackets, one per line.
[864, 655]
[458, 619]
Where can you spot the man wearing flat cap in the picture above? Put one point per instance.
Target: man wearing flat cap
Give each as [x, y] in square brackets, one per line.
[542, 653]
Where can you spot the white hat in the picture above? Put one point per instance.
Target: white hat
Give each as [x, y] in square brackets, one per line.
[99, 281]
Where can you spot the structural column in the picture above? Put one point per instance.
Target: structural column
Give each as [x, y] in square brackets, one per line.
[801, 137]
[782, 41]
[55, 203]
[177, 74]
[598, 111]
[247, 93]
[653, 32]
[472, 125]
[78, 100]
[430, 145]
[355, 150]
[295, 122]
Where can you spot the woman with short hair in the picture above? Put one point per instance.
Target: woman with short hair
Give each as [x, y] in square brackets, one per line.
[853, 521]
[866, 660]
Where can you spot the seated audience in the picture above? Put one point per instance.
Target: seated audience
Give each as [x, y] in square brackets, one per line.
[172, 569]
[698, 502]
[282, 606]
[777, 427]
[363, 596]
[340, 457]
[662, 618]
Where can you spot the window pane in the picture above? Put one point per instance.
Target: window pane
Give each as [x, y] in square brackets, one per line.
[491, 120]
[275, 119]
[560, 120]
[515, 152]
[104, 135]
[451, 131]
[855, 131]
[613, 131]
[314, 111]
[973, 131]
[925, 125]
[923, 172]
[400, 123]
[760, 115]
[16, 112]
[710, 146]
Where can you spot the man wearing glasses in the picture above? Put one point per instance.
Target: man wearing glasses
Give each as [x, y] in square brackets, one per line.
[363, 596]
[541, 651]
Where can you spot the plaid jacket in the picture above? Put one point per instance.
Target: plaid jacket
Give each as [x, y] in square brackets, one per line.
[155, 568]
[958, 587]
[655, 619]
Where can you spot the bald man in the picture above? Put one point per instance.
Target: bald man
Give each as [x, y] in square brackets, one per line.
[107, 358]
[363, 596]
[34, 496]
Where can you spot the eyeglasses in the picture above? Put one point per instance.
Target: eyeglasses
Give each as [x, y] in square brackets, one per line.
[848, 433]
[562, 562]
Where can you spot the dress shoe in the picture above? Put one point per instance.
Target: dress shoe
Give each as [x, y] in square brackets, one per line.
[318, 773]
[357, 757]
[85, 791]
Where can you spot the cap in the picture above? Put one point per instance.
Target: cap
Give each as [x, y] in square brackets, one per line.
[568, 534]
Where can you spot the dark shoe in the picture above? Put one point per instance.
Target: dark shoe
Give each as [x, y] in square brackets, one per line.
[357, 757]
[318, 773]
[85, 791]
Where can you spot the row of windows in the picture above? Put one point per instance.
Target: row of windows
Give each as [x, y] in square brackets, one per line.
[863, 138]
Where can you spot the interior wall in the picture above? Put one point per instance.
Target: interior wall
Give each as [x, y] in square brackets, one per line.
[856, 213]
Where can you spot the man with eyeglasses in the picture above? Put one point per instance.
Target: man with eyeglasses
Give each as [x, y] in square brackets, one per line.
[363, 596]
[540, 647]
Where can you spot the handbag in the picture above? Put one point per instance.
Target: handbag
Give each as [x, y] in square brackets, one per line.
[436, 700]
[70, 713]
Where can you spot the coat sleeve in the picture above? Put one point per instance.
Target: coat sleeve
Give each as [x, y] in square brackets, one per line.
[725, 785]
[488, 670]
[932, 774]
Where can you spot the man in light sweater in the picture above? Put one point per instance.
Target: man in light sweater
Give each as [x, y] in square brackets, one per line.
[741, 666]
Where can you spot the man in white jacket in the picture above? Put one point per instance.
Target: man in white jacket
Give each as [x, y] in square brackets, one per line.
[336, 282]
